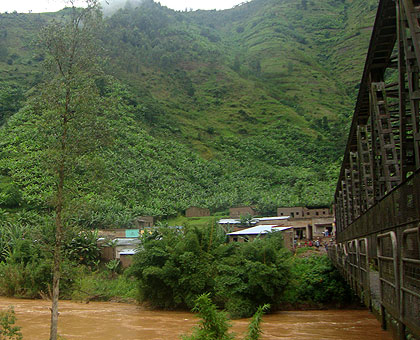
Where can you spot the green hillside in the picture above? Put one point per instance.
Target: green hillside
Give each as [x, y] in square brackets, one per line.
[215, 108]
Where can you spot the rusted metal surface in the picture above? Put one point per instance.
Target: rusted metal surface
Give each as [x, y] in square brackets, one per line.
[377, 200]
[383, 148]
[410, 279]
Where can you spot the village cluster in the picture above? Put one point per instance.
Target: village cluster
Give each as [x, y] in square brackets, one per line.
[300, 227]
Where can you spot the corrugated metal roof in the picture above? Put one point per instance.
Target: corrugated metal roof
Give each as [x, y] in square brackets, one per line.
[126, 241]
[128, 252]
[272, 218]
[259, 229]
[229, 221]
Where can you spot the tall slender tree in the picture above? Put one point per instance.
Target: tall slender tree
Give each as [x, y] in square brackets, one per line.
[71, 106]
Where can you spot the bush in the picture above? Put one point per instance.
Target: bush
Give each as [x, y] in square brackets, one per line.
[255, 273]
[83, 248]
[214, 324]
[32, 279]
[173, 268]
[316, 281]
[98, 286]
[10, 194]
[8, 330]
[25, 261]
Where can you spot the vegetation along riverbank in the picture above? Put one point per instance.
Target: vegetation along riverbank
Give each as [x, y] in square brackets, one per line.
[172, 268]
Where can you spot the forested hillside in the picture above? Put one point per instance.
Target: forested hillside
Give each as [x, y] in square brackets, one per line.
[211, 108]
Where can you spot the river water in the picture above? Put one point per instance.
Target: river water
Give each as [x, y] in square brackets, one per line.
[119, 321]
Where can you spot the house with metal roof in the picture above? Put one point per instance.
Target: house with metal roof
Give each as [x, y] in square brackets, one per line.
[278, 220]
[250, 234]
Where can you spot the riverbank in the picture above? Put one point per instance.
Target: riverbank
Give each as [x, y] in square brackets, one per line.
[171, 269]
[118, 321]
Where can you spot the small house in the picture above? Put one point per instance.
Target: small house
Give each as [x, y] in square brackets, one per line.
[144, 222]
[237, 212]
[197, 212]
[277, 220]
[293, 212]
[250, 234]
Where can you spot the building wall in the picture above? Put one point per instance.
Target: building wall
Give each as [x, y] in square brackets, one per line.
[237, 212]
[241, 238]
[293, 212]
[279, 222]
[197, 212]
[126, 260]
[117, 233]
[111, 233]
[303, 212]
[107, 253]
[144, 221]
[288, 239]
[323, 212]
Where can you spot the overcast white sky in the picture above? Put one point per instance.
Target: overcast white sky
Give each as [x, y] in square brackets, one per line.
[36, 6]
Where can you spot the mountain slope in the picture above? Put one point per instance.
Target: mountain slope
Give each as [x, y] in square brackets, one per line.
[217, 108]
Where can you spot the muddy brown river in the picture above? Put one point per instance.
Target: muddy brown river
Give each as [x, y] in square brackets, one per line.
[118, 321]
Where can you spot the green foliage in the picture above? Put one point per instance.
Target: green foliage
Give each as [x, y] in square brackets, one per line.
[83, 248]
[25, 259]
[252, 274]
[215, 108]
[10, 235]
[214, 324]
[10, 194]
[246, 220]
[100, 286]
[8, 330]
[112, 266]
[254, 328]
[315, 281]
[174, 267]
[11, 99]
[27, 280]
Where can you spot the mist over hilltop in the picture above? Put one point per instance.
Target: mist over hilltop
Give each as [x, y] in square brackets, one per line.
[111, 6]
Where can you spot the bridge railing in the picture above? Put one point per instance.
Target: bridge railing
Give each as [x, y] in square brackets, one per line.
[397, 274]
[410, 279]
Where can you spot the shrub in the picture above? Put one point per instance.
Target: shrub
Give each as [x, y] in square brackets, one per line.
[8, 330]
[10, 194]
[173, 268]
[31, 279]
[255, 273]
[316, 281]
[214, 324]
[98, 286]
[83, 248]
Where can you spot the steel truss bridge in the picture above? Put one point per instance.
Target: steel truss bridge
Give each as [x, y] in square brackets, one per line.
[377, 200]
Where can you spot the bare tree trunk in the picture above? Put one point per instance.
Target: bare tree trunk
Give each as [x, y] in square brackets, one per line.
[57, 255]
[55, 295]
[59, 222]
